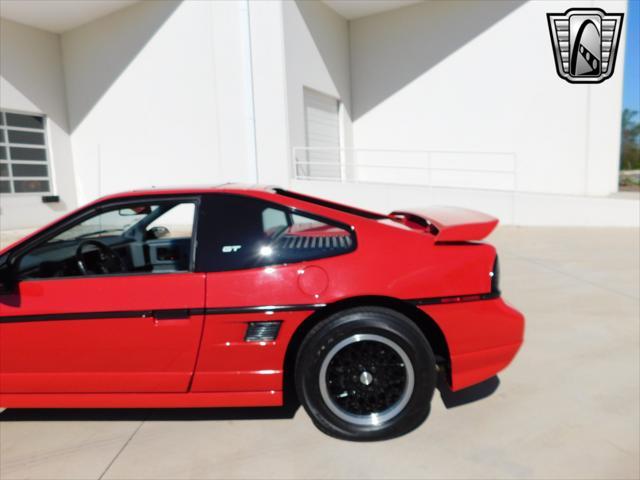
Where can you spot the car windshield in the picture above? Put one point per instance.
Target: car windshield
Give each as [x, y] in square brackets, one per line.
[111, 223]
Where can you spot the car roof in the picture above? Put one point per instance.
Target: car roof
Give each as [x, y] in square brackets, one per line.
[266, 192]
[192, 189]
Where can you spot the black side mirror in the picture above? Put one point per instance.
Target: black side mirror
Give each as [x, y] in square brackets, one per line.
[159, 232]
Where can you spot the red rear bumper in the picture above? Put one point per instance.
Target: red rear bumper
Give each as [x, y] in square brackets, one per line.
[483, 337]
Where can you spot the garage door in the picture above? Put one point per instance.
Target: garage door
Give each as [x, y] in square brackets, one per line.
[322, 123]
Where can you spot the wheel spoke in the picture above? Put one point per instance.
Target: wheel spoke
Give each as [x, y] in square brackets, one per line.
[366, 377]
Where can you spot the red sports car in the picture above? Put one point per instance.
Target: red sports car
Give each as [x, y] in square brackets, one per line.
[237, 296]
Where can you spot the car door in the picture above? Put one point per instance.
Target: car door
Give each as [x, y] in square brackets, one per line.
[268, 268]
[134, 328]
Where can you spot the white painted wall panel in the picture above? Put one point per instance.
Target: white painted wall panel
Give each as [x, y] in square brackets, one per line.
[155, 97]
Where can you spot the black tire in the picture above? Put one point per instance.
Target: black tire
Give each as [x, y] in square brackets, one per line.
[353, 341]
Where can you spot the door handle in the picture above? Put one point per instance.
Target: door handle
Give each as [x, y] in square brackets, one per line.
[177, 314]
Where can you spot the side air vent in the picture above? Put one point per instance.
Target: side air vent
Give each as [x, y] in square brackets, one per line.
[262, 331]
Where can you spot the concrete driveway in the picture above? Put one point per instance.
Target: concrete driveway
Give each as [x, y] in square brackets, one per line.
[568, 407]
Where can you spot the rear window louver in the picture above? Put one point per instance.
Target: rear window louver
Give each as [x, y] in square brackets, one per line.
[311, 242]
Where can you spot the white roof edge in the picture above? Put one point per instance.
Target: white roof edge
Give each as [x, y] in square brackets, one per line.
[59, 16]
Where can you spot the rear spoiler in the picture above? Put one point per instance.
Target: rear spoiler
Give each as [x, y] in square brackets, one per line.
[451, 224]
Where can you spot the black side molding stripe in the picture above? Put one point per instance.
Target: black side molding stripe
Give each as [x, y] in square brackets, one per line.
[76, 316]
[167, 314]
[454, 299]
[265, 308]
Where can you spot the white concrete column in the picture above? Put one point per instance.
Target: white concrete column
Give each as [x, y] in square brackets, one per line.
[270, 92]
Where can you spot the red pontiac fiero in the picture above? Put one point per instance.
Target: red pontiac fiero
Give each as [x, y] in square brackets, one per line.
[226, 296]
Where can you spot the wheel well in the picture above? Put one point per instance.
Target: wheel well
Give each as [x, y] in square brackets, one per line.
[424, 322]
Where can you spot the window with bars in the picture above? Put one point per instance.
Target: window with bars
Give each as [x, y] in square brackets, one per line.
[24, 161]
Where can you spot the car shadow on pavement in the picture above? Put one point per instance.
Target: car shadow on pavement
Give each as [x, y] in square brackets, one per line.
[155, 414]
[466, 395]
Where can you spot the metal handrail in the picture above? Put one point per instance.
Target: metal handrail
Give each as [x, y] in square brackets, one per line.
[404, 167]
[427, 166]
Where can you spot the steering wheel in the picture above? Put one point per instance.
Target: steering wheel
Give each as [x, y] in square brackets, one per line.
[110, 261]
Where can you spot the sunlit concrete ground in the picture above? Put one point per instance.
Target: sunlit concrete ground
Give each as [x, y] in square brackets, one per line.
[568, 407]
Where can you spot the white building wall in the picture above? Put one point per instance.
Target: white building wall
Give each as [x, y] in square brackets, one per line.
[237, 162]
[270, 91]
[317, 57]
[32, 81]
[160, 94]
[155, 97]
[480, 77]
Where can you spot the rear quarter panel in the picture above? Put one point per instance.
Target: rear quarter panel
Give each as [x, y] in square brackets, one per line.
[388, 261]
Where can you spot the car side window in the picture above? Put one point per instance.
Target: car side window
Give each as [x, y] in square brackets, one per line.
[244, 232]
[131, 238]
[176, 222]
